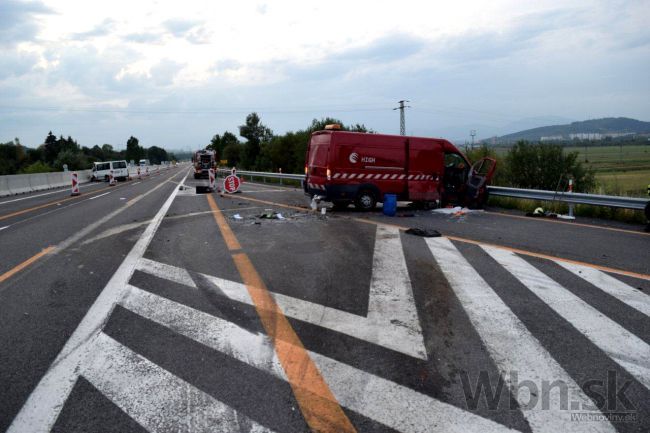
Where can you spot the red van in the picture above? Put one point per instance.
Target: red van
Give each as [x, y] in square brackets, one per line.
[354, 167]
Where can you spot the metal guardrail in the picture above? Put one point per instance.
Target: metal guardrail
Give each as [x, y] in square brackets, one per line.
[570, 197]
[264, 175]
[502, 191]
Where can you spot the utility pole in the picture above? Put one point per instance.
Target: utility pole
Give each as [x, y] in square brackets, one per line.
[472, 133]
[402, 120]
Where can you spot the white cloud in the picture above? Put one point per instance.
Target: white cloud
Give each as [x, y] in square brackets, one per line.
[486, 63]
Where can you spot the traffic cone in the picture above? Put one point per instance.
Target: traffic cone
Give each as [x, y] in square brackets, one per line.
[75, 184]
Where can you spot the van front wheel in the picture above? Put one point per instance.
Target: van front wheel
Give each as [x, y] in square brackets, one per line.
[365, 200]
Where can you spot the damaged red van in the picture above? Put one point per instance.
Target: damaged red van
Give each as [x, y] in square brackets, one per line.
[354, 167]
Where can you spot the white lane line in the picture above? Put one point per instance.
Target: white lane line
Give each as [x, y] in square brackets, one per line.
[391, 303]
[392, 320]
[100, 195]
[41, 409]
[135, 183]
[389, 403]
[628, 350]
[5, 227]
[65, 190]
[171, 273]
[618, 289]
[512, 347]
[254, 349]
[154, 397]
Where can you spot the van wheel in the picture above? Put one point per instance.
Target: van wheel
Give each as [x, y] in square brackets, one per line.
[340, 204]
[365, 200]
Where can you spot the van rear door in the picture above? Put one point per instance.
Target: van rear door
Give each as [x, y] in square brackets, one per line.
[318, 158]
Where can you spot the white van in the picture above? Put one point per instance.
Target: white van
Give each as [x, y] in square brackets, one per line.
[101, 170]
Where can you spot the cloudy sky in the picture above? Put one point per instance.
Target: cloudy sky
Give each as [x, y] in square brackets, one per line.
[173, 73]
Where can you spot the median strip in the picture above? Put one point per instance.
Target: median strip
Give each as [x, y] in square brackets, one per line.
[319, 407]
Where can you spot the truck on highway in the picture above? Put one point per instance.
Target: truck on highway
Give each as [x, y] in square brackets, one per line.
[354, 167]
[203, 161]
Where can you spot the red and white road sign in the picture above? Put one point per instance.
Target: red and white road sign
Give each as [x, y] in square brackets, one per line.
[231, 184]
[212, 179]
[75, 184]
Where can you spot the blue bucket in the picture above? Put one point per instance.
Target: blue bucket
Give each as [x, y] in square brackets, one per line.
[390, 204]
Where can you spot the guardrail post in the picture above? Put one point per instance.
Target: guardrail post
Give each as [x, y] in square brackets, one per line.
[280, 170]
[571, 204]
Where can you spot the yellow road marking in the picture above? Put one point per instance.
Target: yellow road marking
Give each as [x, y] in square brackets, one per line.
[226, 232]
[472, 241]
[573, 223]
[50, 203]
[319, 407]
[24, 264]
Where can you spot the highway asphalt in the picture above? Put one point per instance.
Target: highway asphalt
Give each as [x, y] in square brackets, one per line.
[148, 307]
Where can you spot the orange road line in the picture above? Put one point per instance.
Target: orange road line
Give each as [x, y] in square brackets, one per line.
[50, 203]
[24, 264]
[572, 223]
[554, 258]
[640, 276]
[226, 231]
[319, 407]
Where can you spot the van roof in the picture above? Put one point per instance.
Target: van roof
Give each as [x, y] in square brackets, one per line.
[447, 144]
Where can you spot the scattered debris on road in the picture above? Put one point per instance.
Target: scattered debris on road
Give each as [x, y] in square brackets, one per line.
[456, 211]
[427, 233]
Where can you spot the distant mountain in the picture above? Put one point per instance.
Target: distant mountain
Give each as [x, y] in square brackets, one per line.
[595, 128]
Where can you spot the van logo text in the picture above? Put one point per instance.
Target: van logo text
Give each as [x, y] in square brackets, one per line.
[354, 157]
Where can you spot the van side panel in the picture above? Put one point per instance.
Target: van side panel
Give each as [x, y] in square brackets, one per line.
[365, 160]
[426, 167]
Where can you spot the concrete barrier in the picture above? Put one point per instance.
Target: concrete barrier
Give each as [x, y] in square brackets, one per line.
[23, 183]
[19, 183]
[56, 180]
[4, 186]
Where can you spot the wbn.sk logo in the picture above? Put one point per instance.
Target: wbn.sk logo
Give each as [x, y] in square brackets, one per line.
[606, 395]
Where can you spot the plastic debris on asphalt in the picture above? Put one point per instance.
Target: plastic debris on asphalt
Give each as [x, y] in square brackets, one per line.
[237, 217]
[456, 211]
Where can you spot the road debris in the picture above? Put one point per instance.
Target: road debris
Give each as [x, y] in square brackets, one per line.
[427, 233]
[237, 217]
[456, 211]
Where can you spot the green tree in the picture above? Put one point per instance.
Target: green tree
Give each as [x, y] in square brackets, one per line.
[543, 166]
[134, 151]
[232, 153]
[156, 155]
[50, 148]
[74, 160]
[37, 167]
[255, 133]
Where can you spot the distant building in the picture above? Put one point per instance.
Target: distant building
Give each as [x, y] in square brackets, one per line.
[587, 136]
[552, 138]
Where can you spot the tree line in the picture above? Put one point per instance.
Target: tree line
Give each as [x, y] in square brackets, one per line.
[265, 151]
[55, 152]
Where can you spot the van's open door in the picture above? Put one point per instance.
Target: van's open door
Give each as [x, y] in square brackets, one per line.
[478, 178]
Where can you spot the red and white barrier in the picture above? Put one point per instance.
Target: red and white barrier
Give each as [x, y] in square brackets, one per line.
[111, 179]
[75, 184]
[146, 173]
[139, 175]
[212, 179]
